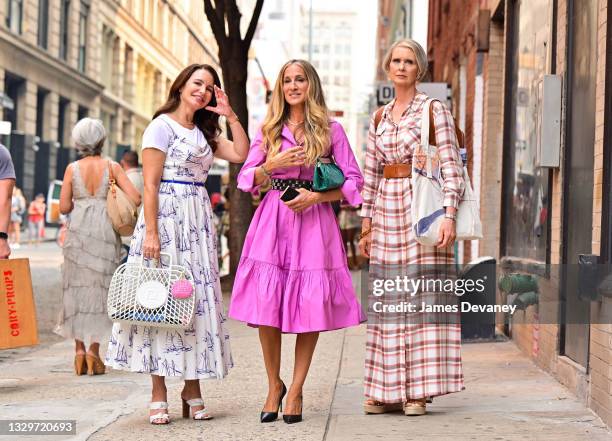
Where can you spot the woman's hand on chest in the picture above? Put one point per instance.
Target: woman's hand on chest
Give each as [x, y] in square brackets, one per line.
[291, 157]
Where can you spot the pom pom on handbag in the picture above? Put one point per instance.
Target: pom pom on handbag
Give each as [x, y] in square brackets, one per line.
[182, 289]
[327, 175]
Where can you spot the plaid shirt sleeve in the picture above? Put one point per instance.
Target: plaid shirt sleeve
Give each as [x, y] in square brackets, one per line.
[373, 172]
[453, 183]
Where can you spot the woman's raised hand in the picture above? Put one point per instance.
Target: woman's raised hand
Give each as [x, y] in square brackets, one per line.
[291, 157]
[223, 107]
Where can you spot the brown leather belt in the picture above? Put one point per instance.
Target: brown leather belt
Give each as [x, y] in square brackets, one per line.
[397, 171]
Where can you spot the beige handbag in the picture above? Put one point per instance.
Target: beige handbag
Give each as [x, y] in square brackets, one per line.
[122, 211]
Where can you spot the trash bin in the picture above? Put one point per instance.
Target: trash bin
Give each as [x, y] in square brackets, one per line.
[479, 325]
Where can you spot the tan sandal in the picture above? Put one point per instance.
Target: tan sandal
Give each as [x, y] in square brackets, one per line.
[415, 407]
[376, 407]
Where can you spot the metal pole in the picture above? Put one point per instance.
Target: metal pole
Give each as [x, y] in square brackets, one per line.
[310, 33]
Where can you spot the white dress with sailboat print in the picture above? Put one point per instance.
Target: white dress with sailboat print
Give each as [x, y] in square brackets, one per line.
[186, 232]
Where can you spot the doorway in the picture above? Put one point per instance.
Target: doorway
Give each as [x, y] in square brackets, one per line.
[578, 168]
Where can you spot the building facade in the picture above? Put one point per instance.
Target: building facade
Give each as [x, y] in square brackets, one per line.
[516, 68]
[332, 54]
[62, 60]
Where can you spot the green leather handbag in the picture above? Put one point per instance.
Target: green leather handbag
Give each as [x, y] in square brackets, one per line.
[327, 175]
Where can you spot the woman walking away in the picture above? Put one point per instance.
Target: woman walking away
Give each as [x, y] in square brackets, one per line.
[293, 275]
[92, 248]
[36, 219]
[179, 147]
[408, 360]
[18, 206]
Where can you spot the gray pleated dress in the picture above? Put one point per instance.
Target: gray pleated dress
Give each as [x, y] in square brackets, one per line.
[91, 254]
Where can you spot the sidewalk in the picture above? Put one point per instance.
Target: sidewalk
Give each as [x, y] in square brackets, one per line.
[506, 398]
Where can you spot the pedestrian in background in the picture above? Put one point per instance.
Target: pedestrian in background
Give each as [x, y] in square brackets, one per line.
[178, 150]
[7, 182]
[36, 219]
[18, 207]
[129, 162]
[293, 275]
[406, 362]
[91, 247]
[350, 223]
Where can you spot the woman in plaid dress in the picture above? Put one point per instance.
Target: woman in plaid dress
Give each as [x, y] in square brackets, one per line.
[408, 362]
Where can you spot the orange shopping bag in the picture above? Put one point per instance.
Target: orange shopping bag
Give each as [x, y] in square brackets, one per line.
[17, 313]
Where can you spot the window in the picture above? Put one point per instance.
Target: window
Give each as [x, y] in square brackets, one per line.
[43, 23]
[41, 98]
[64, 28]
[128, 61]
[526, 189]
[61, 118]
[83, 17]
[15, 15]
[82, 112]
[14, 89]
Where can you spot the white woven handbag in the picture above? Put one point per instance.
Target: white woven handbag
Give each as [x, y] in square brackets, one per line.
[427, 208]
[141, 295]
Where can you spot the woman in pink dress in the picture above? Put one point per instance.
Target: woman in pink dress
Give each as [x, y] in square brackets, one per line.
[293, 275]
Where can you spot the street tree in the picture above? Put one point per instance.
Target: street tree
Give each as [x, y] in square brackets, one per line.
[224, 18]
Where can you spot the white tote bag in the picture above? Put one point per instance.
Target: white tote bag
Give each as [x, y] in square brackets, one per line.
[427, 197]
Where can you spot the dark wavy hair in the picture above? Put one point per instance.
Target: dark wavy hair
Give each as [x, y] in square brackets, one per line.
[205, 120]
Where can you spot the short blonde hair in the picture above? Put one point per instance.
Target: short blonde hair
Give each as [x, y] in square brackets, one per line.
[419, 53]
[89, 135]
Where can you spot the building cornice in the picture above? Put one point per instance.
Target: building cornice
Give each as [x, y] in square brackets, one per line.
[133, 32]
[19, 49]
[111, 100]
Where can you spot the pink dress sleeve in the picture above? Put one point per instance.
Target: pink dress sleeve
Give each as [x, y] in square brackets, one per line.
[345, 160]
[256, 157]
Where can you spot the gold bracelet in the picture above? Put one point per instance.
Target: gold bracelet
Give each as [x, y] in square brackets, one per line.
[365, 233]
[234, 121]
[265, 172]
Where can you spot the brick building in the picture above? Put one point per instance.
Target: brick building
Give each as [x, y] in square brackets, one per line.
[61, 60]
[499, 56]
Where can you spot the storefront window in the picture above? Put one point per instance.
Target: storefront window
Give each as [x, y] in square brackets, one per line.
[526, 186]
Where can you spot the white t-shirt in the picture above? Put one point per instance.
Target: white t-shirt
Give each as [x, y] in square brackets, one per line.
[159, 132]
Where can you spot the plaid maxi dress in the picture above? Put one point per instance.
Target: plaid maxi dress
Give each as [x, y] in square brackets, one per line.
[408, 360]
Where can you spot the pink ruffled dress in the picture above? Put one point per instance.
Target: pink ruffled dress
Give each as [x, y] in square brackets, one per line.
[293, 272]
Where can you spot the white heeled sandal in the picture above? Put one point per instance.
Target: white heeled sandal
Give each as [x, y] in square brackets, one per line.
[163, 417]
[201, 414]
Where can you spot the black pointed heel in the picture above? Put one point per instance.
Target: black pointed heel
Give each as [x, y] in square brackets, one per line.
[268, 417]
[292, 419]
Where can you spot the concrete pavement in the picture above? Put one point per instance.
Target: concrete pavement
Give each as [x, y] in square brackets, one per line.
[506, 398]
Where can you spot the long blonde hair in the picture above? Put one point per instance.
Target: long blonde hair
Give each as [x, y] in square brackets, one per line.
[316, 116]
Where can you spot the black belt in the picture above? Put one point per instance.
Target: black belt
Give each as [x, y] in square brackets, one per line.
[282, 184]
[174, 181]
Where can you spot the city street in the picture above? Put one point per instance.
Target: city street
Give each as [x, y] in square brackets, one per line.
[506, 398]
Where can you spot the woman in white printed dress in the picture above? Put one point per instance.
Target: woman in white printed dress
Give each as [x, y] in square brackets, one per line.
[179, 146]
